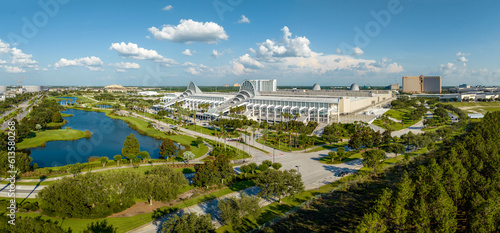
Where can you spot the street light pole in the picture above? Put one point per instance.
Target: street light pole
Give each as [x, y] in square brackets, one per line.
[273, 154]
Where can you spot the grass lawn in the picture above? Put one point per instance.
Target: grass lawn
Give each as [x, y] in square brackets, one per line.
[400, 114]
[128, 223]
[66, 115]
[328, 147]
[51, 135]
[480, 107]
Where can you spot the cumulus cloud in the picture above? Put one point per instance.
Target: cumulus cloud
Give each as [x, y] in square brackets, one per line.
[244, 19]
[460, 54]
[195, 69]
[14, 69]
[134, 51]
[462, 59]
[188, 52]
[216, 54]
[18, 58]
[249, 62]
[357, 51]
[92, 63]
[123, 66]
[188, 31]
[167, 8]
[288, 47]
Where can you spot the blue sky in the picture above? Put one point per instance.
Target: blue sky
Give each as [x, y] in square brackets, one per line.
[170, 42]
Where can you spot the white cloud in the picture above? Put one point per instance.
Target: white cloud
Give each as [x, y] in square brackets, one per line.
[4, 47]
[14, 69]
[216, 54]
[288, 47]
[249, 62]
[188, 52]
[123, 66]
[460, 54]
[462, 59]
[339, 51]
[2, 61]
[190, 31]
[132, 50]
[92, 63]
[357, 51]
[244, 19]
[167, 8]
[196, 69]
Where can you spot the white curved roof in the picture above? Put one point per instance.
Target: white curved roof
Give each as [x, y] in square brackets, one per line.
[316, 87]
[354, 87]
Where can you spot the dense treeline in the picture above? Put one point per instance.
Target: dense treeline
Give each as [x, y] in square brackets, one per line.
[97, 195]
[458, 189]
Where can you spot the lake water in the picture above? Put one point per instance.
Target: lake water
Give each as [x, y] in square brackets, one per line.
[108, 136]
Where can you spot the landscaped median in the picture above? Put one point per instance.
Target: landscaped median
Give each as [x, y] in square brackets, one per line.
[43, 137]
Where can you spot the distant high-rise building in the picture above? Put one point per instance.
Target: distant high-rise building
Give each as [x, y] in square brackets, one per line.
[236, 85]
[422, 84]
[394, 87]
[264, 84]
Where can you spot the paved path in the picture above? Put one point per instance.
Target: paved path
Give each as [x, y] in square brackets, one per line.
[416, 129]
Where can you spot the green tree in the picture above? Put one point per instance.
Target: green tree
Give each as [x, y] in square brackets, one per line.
[56, 117]
[100, 227]
[163, 183]
[131, 148]
[75, 169]
[168, 148]
[206, 175]
[245, 169]
[253, 167]
[22, 161]
[199, 141]
[355, 141]
[117, 159]
[372, 158]
[233, 209]
[104, 160]
[145, 155]
[276, 166]
[332, 155]
[189, 223]
[279, 184]
[341, 153]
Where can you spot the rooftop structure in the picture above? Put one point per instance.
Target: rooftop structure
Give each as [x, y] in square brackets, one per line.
[264, 85]
[354, 87]
[316, 87]
[148, 93]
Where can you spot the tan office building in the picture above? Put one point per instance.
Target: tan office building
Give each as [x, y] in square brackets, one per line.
[422, 84]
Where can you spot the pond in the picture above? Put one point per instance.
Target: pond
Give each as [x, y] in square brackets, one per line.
[108, 136]
[67, 100]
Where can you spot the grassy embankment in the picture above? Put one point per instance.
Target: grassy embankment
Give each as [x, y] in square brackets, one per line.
[402, 115]
[43, 137]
